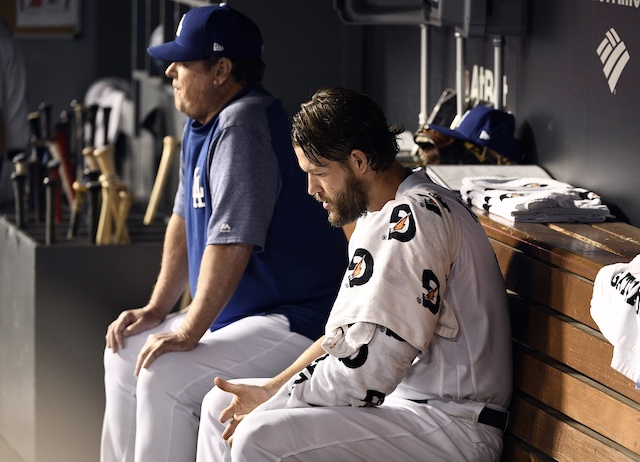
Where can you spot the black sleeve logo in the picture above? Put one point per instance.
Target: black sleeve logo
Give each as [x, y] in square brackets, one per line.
[361, 267]
[431, 299]
[374, 398]
[358, 360]
[403, 223]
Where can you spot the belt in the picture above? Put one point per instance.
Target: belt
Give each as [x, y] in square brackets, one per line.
[495, 418]
[487, 416]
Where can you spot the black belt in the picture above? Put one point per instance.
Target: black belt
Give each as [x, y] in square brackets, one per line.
[494, 418]
[488, 416]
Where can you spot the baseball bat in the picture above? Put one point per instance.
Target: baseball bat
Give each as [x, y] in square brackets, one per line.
[19, 178]
[106, 114]
[45, 121]
[64, 167]
[124, 206]
[92, 162]
[91, 113]
[78, 136]
[52, 203]
[36, 188]
[105, 159]
[93, 204]
[105, 220]
[170, 146]
[80, 193]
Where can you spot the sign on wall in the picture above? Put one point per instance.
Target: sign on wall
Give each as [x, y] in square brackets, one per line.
[47, 17]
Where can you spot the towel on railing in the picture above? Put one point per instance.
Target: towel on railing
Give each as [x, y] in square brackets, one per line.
[615, 307]
[538, 200]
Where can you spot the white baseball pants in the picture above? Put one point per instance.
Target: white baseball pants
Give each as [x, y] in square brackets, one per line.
[398, 430]
[156, 417]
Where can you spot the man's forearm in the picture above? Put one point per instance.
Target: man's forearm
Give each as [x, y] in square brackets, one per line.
[299, 364]
[174, 274]
[221, 270]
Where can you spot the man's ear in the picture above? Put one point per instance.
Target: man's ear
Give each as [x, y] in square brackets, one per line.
[359, 161]
[222, 71]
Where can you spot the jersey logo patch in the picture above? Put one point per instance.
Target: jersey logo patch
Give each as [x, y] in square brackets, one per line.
[361, 267]
[225, 228]
[374, 398]
[403, 226]
[197, 192]
[431, 299]
[358, 360]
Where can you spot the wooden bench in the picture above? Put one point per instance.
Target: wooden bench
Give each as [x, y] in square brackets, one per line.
[568, 403]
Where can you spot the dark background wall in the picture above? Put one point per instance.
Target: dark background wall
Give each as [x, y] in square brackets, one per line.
[570, 121]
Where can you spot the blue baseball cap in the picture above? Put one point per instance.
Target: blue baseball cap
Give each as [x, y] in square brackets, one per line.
[488, 127]
[211, 31]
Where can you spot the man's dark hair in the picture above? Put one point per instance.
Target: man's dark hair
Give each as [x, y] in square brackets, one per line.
[244, 71]
[338, 120]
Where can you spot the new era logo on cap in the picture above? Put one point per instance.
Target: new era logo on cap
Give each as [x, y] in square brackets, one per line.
[217, 47]
[180, 26]
[484, 135]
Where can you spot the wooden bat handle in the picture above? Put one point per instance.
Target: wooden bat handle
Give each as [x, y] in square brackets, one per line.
[170, 146]
[108, 209]
[121, 232]
[80, 193]
[92, 163]
[106, 162]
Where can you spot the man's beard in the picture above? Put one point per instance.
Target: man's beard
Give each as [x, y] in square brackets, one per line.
[350, 204]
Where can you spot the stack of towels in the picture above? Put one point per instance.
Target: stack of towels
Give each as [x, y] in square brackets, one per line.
[534, 200]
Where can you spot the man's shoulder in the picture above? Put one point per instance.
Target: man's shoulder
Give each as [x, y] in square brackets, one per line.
[256, 105]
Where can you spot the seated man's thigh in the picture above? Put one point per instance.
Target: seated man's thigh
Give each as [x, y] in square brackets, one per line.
[361, 434]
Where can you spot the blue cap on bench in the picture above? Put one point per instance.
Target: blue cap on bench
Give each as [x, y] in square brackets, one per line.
[211, 31]
[488, 127]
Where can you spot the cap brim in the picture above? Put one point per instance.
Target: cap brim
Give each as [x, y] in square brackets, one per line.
[173, 52]
[446, 131]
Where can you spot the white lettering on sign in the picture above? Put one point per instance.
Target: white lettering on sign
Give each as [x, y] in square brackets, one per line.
[483, 85]
[631, 3]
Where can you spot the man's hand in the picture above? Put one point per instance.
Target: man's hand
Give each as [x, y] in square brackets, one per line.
[246, 398]
[164, 342]
[130, 322]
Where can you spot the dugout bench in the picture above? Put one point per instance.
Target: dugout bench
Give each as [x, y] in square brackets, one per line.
[568, 403]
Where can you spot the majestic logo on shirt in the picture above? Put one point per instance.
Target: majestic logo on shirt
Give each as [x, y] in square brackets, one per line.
[403, 223]
[197, 192]
[361, 267]
[431, 299]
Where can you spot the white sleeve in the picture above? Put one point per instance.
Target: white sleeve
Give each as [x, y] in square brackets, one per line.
[364, 364]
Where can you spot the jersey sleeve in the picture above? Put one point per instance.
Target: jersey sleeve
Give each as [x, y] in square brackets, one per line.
[178, 202]
[244, 185]
[360, 369]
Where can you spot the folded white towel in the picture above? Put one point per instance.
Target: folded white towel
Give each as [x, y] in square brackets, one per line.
[539, 200]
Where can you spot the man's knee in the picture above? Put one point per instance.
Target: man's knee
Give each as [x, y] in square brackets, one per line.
[257, 438]
[214, 402]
